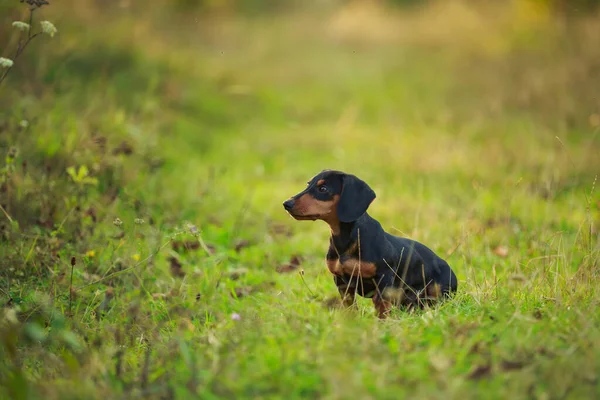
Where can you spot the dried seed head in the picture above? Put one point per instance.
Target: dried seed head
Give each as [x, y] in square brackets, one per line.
[35, 3]
[73, 261]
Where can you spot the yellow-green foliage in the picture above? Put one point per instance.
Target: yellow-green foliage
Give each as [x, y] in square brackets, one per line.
[148, 147]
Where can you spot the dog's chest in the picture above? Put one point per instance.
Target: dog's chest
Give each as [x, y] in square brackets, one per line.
[349, 263]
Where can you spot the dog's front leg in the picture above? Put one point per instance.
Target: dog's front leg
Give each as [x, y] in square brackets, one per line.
[382, 306]
[346, 290]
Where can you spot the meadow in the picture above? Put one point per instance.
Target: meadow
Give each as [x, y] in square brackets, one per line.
[148, 148]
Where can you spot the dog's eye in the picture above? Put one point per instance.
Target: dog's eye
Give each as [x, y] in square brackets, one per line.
[322, 188]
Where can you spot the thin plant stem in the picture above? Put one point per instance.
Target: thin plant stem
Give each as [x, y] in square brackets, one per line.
[21, 46]
[71, 286]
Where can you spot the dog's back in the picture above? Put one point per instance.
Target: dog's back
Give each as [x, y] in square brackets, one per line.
[414, 260]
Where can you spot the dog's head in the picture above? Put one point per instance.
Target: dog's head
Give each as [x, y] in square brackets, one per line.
[332, 196]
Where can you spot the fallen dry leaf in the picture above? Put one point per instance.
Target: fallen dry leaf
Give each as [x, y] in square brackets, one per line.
[123, 148]
[119, 235]
[100, 141]
[48, 224]
[501, 251]
[292, 266]
[544, 352]
[517, 278]
[237, 273]
[91, 212]
[243, 291]
[241, 244]
[480, 371]
[186, 245]
[296, 260]
[509, 365]
[176, 268]
[285, 268]
[280, 230]
[479, 348]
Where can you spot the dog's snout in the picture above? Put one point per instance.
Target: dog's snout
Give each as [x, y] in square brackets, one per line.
[288, 204]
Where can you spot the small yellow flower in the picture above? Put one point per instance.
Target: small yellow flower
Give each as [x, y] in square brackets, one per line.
[91, 253]
[136, 257]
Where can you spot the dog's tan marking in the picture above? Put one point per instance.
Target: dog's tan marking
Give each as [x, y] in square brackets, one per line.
[433, 291]
[335, 267]
[355, 268]
[308, 206]
[352, 249]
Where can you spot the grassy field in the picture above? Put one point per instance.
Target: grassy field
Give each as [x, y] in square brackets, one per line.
[166, 267]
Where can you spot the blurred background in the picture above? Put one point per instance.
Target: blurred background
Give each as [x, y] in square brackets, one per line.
[461, 92]
[467, 72]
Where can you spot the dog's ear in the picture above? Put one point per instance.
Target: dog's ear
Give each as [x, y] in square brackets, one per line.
[355, 198]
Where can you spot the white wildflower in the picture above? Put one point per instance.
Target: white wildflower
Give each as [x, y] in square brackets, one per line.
[48, 28]
[20, 25]
[6, 62]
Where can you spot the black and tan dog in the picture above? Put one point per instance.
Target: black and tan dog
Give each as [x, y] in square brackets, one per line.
[363, 258]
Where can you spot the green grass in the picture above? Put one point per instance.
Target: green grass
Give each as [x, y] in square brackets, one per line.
[490, 157]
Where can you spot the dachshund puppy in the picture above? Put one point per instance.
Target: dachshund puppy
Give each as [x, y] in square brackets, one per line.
[363, 258]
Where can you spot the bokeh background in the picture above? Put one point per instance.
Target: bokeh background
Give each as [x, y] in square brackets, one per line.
[149, 146]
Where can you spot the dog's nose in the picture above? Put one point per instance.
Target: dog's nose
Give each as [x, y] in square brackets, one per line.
[288, 204]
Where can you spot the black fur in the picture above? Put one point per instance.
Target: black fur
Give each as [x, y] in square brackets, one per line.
[401, 263]
[356, 196]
